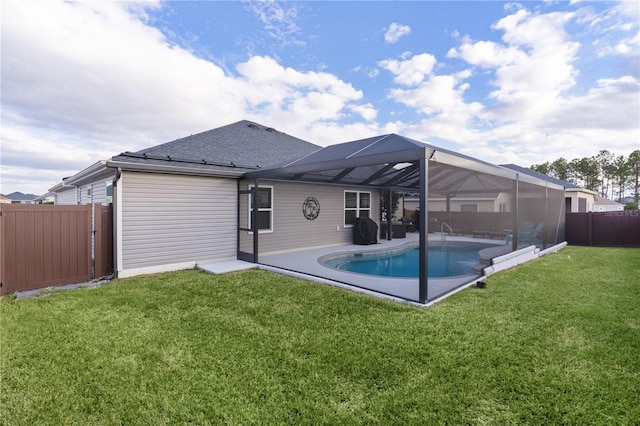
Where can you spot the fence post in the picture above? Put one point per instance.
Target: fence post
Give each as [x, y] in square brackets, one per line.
[590, 229]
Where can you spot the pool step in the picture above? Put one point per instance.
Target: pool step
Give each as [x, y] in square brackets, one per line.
[486, 257]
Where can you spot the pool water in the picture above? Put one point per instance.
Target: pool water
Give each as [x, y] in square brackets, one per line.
[445, 260]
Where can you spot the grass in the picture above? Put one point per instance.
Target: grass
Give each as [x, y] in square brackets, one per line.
[555, 341]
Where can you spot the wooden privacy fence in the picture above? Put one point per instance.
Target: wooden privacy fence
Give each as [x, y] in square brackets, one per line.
[42, 245]
[620, 228]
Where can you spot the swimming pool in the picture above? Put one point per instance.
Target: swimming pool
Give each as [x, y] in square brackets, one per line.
[446, 259]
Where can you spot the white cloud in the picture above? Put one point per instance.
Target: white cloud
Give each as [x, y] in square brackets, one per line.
[533, 114]
[533, 67]
[280, 19]
[95, 80]
[487, 54]
[395, 32]
[412, 71]
[367, 111]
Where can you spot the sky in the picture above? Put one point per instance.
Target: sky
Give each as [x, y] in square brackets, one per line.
[505, 82]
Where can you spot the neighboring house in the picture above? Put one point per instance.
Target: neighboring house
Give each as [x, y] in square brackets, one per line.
[47, 198]
[605, 205]
[4, 200]
[577, 199]
[20, 198]
[488, 203]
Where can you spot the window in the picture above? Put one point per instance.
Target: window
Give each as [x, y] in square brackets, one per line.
[265, 209]
[89, 195]
[356, 204]
[109, 191]
[468, 207]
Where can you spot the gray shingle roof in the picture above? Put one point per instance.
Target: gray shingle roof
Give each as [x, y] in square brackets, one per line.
[241, 146]
[19, 196]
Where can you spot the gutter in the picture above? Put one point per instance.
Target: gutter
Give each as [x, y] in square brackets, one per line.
[87, 174]
[154, 168]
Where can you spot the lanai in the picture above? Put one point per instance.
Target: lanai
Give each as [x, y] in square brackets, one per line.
[397, 163]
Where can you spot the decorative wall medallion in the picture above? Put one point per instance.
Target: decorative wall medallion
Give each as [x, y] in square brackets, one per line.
[311, 208]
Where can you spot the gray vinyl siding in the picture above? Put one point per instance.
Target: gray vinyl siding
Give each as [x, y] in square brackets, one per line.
[169, 219]
[291, 230]
[100, 192]
[67, 197]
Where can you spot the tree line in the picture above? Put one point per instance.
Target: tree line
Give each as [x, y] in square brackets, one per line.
[612, 176]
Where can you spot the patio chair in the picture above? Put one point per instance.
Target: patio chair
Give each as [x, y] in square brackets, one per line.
[532, 236]
[527, 233]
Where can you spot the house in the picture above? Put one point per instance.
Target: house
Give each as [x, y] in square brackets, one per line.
[47, 198]
[175, 204]
[246, 191]
[20, 198]
[4, 200]
[605, 205]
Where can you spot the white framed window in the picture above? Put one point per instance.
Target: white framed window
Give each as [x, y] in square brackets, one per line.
[89, 195]
[109, 191]
[265, 209]
[356, 204]
[468, 207]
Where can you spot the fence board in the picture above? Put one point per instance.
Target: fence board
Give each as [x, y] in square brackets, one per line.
[620, 228]
[42, 245]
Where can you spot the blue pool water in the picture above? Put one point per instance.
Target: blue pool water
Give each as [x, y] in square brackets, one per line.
[445, 260]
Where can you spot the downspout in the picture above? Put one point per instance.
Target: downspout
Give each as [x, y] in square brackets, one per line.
[114, 218]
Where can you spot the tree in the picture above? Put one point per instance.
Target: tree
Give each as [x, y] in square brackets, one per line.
[584, 172]
[604, 162]
[621, 174]
[543, 168]
[560, 169]
[633, 163]
[604, 173]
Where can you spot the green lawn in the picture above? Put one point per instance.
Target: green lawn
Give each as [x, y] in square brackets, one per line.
[555, 341]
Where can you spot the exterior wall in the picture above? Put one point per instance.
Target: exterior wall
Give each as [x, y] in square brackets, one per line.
[168, 222]
[67, 197]
[608, 207]
[291, 230]
[575, 196]
[440, 205]
[98, 193]
[504, 199]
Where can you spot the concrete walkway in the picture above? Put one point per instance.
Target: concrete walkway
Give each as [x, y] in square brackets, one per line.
[225, 267]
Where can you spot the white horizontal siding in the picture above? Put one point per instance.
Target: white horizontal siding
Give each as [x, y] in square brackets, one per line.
[169, 219]
[291, 230]
[66, 197]
[99, 192]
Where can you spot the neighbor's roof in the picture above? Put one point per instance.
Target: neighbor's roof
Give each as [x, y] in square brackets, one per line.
[606, 202]
[237, 147]
[19, 196]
